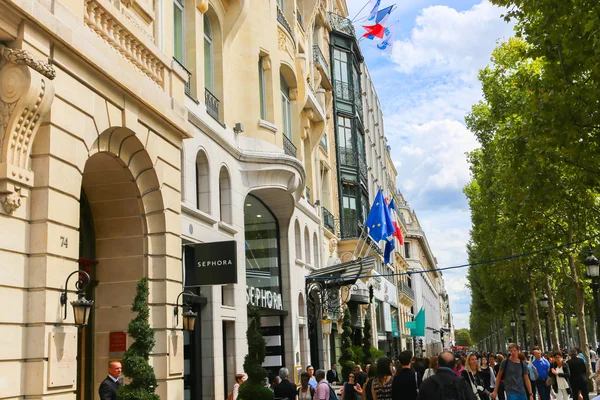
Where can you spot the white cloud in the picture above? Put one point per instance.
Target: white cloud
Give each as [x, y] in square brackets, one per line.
[446, 39]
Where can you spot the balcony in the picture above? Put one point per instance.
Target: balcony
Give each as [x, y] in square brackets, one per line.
[288, 147]
[362, 169]
[212, 105]
[406, 291]
[283, 21]
[343, 90]
[350, 228]
[307, 191]
[328, 220]
[322, 65]
[341, 24]
[348, 157]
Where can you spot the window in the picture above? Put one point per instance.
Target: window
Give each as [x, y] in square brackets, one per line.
[202, 183]
[298, 240]
[280, 4]
[286, 108]
[178, 32]
[208, 55]
[315, 251]
[306, 246]
[340, 65]
[347, 156]
[262, 88]
[407, 250]
[225, 196]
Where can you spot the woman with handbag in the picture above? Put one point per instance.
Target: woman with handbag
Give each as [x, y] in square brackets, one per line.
[352, 390]
[560, 374]
[487, 374]
[472, 374]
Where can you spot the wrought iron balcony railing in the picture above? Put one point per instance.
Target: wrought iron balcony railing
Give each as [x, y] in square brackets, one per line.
[341, 24]
[212, 105]
[283, 21]
[307, 190]
[362, 169]
[328, 220]
[321, 61]
[348, 157]
[406, 290]
[288, 147]
[343, 90]
[299, 19]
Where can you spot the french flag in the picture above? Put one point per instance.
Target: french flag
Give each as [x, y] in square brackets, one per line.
[398, 232]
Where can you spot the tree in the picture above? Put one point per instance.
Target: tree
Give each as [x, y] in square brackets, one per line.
[135, 360]
[463, 337]
[254, 388]
[345, 359]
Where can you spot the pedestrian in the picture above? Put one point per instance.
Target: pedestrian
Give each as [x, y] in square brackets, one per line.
[560, 373]
[285, 389]
[305, 392]
[593, 358]
[445, 384]
[433, 365]
[332, 374]
[323, 389]
[351, 390]
[487, 374]
[360, 375]
[513, 372]
[239, 379]
[543, 366]
[109, 386]
[499, 383]
[405, 383]
[532, 371]
[459, 367]
[382, 384]
[472, 375]
[579, 379]
[419, 368]
[311, 380]
[368, 386]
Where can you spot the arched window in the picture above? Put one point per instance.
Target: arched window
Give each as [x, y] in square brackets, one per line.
[298, 240]
[301, 306]
[209, 67]
[306, 246]
[202, 183]
[315, 251]
[225, 196]
[286, 108]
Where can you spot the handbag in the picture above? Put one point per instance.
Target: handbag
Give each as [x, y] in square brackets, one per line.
[550, 381]
[473, 386]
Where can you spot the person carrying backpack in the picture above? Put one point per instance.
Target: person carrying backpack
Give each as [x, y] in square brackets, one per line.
[444, 384]
[515, 375]
[324, 390]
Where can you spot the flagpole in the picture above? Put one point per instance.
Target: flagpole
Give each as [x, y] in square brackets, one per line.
[358, 13]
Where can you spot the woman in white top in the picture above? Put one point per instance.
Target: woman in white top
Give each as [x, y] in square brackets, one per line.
[239, 379]
[433, 365]
[561, 373]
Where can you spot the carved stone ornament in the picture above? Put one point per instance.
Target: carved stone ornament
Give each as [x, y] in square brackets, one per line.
[333, 245]
[26, 94]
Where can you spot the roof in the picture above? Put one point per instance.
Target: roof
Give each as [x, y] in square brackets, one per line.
[343, 274]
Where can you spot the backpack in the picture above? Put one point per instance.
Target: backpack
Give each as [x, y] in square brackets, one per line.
[332, 395]
[451, 391]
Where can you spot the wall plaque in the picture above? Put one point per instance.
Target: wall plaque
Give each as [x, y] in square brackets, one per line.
[62, 359]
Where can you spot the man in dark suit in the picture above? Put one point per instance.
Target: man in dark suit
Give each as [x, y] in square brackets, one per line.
[109, 386]
[332, 374]
[404, 385]
[579, 379]
[286, 389]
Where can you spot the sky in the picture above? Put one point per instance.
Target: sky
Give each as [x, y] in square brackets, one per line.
[426, 87]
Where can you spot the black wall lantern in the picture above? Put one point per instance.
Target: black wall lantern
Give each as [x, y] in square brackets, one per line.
[82, 307]
[189, 317]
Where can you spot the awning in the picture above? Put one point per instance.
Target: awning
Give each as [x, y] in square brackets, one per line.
[343, 274]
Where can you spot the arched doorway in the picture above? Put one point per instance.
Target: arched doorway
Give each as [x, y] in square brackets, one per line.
[120, 206]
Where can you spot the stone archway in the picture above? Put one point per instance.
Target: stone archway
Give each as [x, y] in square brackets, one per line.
[123, 192]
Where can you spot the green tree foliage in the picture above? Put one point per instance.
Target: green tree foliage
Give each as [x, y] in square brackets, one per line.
[345, 359]
[366, 343]
[135, 360]
[254, 387]
[463, 337]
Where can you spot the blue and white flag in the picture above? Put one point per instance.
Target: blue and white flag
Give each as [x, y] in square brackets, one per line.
[379, 221]
[373, 13]
[387, 43]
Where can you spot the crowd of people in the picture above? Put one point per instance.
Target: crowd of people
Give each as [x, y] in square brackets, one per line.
[515, 375]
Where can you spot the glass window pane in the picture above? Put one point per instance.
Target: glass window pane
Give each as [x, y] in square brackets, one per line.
[178, 32]
[262, 89]
[208, 65]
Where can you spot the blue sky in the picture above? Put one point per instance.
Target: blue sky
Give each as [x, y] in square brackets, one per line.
[426, 87]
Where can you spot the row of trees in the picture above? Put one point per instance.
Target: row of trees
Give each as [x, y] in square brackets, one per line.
[536, 177]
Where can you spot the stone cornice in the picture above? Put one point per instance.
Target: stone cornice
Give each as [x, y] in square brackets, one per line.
[22, 57]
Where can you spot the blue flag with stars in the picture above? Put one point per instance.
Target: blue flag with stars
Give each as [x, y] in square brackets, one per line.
[379, 220]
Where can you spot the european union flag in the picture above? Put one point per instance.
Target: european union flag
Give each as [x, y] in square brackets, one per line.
[389, 247]
[379, 220]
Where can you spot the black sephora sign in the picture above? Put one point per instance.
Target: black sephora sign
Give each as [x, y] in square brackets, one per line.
[211, 264]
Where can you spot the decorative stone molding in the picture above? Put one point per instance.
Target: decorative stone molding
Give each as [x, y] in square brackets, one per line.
[109, 28]
[202, 6]
[26, 94]
[284, 42]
